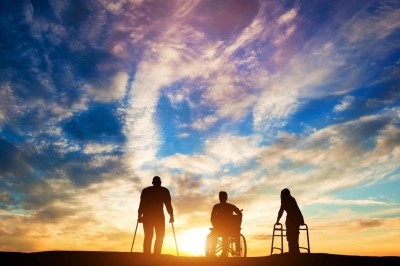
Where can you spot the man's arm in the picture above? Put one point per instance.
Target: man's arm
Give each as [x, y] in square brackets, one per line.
[237, 211]
[213, 216]
[168, 205]
[280, 212]
[140, 210]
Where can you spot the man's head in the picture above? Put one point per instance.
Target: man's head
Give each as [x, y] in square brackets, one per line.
[223, 196]
[156, 181]
[285, 194]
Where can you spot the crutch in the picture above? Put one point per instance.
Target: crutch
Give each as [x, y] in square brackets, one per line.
[176, 245]
[134, 236]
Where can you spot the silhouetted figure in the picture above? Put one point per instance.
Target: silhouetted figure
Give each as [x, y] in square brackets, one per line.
[221, 219]
[294, 219]
[151, 214]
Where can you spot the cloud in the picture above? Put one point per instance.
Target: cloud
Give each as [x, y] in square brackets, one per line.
[204, 123]
[324, 158]
[345, 104]
[221, 20]
[370, 223]
[263, 237]
[80, 93]
[7, 103]
[12, 161]
[316, 71]
[331, 201]
[302, 78]
[178, 59]
[53, 213]
[196, 164]
[183, 135]
[93, 148]
[232, 149]
[88, 213]
[288, 16]
[164, 66]
[114, 92]
[376, 26]
[332, 159]
[388, 141]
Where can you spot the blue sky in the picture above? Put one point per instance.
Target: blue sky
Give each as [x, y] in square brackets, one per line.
[250, 97]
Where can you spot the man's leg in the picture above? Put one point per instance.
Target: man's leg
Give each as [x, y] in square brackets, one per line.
[237, 243]
[160, 232]
[148, 236]
[293, 238]
[224, 245]
[214, 241]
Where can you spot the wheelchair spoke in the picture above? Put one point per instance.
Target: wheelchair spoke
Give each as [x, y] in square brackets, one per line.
[236, 246]
[218, 249]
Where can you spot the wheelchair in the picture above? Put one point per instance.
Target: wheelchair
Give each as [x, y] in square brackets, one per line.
[237, 246]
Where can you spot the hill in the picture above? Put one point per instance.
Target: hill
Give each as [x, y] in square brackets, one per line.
[77, 258]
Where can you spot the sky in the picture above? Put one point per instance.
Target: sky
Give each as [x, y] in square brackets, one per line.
[243, 96]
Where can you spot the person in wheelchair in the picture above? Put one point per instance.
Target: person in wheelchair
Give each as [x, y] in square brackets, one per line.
[225, 223]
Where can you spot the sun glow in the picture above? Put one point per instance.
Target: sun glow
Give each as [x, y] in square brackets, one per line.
[192, 242]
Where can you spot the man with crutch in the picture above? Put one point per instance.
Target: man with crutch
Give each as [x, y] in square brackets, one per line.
[151, 214]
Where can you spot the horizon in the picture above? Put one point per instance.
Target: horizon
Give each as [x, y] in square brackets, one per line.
[248, 97]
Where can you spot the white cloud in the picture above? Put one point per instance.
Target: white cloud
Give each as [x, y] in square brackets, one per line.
[114, 6]
[204, 123]
[345, 104]
[119, 49]
[287, 17]
[302, 78]
[237, 108]
[195, 164]
[318, 69]
[141, 128]
[232, 149]
[378, 26]
[285, 35]
[8, 106]
[184, 135]
[175, 59]
[93, 148]
[334, 158]
[114, 91]
[332, 201]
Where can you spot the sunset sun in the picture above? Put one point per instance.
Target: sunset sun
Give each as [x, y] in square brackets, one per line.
[192, 242]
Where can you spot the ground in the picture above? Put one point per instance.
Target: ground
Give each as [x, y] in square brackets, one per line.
[77, 258]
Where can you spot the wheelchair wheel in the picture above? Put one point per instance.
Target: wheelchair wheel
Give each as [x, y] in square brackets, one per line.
[233, 249]
[208, 250]
[243, 246]
[237, 250]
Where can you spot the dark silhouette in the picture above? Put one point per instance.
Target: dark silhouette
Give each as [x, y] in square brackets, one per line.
[102, 258]
[151, 214]
[294, 219]
[222, 220]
